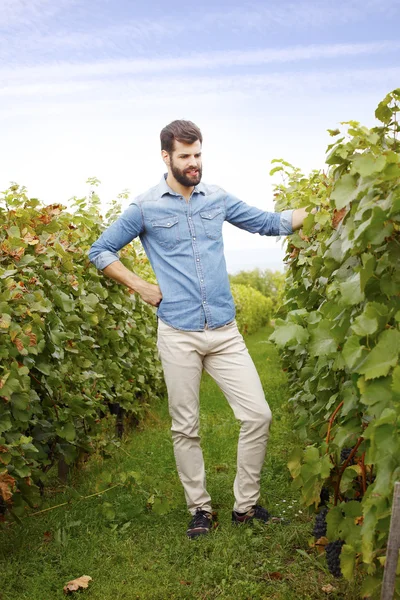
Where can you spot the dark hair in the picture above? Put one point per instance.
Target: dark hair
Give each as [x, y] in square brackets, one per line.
[183, 131]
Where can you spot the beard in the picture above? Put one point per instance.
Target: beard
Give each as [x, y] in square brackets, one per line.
[183, 177]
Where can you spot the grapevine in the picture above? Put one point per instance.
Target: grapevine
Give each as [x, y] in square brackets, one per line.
[339, 332]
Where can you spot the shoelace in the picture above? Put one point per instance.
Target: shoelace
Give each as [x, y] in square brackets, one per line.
[200, 519]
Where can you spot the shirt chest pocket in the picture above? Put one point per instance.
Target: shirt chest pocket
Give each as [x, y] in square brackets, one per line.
[166, 230]
[212, 220]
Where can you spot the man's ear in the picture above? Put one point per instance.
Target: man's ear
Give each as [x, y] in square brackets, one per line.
[165, 156]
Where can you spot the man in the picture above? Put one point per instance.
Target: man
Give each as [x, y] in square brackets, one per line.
[179, 222]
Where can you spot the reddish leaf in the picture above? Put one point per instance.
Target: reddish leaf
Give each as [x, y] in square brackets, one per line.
[7, 484]
[338, 216]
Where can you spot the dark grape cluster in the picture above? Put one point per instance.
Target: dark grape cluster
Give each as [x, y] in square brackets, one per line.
[320, 524]
[324, 496]
[344, 455]
[3, 506]
[333, 550]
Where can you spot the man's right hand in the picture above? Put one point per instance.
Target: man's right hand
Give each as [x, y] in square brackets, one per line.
[150, 293]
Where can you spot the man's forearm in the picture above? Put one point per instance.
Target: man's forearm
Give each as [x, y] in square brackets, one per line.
[149, 292]
[116, 270]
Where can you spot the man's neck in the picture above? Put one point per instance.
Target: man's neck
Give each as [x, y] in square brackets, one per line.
[177, 187]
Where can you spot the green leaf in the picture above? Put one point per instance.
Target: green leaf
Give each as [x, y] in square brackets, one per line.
[375, 392]
[323, 339]
[383, 112]
[396, 379]
[67, 431]
[5, 423]
[10, 385]
[20, 400]
[294, 463]
[286, 334]
[351, 291]
[345, 191]
[352, 351]
[367, 164]
[8, 273]
[367, 271]
[160, 506]
[334, 519]
[43, 366]
[275, 170]
[365, 324]
[62, 300]
[384, 356]
[108, 511]
[370, 587]
[347, 561]
[14, 232]
[5, 321]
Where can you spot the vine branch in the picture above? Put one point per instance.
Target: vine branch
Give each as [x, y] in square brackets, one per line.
[344, 466]
[335, 412]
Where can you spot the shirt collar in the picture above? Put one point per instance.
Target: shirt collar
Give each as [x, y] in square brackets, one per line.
[165, 189]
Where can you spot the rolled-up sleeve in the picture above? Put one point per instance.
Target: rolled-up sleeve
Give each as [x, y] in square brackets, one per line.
[255, 220]
[105, 249]
[285, 225]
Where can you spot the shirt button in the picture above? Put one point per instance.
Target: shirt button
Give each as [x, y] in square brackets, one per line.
[190, 218]
[201, 280]
[194, 238]
[168, 223]
[204, 302]
[198, 260]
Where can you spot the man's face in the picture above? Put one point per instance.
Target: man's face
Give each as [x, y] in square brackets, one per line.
[185, 163]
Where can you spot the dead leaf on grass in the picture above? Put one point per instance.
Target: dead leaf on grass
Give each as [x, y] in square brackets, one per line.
[221, 468]
[273, 575]
[47, 536]
[328, 589]
[77, 584]
[320, 544]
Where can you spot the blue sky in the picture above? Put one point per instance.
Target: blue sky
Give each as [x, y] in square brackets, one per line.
[85, 88]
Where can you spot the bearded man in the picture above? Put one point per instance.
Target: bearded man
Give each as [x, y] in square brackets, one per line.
[179, 222]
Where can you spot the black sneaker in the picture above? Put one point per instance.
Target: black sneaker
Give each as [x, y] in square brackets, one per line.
[200, 524]
[256, 512]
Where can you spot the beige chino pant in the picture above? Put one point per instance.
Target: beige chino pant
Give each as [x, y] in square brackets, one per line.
[223, 354]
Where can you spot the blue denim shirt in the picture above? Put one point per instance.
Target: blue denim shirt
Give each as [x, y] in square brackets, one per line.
[183, 241]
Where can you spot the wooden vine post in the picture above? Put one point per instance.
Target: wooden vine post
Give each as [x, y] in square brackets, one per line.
[392, 555]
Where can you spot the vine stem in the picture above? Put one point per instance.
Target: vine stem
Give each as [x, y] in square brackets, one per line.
[39, 512]
[328, 434]
[43, 388]
[342, 470]
[363, 472]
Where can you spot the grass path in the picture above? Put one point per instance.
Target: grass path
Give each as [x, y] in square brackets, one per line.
[133, 553]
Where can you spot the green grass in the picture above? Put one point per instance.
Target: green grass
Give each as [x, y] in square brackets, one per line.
[132, 552]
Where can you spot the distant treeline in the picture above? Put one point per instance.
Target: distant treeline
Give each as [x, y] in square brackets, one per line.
[269, 283]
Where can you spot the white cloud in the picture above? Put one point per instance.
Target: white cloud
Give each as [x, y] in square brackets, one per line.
[125, 89]
[32, 12]
[301, 14]
[78, 26]
[196, 61]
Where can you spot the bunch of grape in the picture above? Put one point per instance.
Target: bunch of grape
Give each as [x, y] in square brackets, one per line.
[324, 496]
[333, 550]
[344, 455]
[3, 506]
[319, 530]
